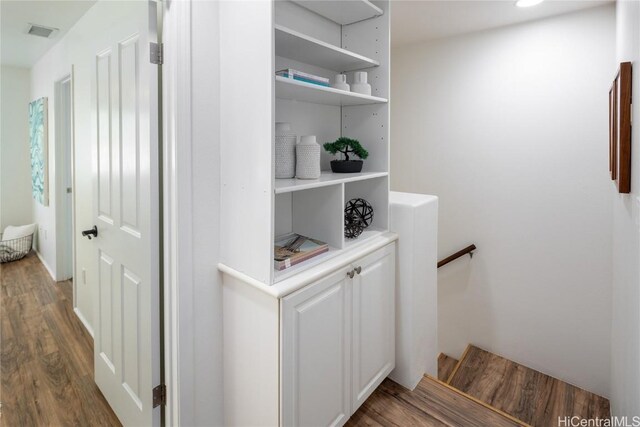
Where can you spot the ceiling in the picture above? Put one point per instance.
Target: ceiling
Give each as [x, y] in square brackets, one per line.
[422, 20]
[20, 49]
[411, 20]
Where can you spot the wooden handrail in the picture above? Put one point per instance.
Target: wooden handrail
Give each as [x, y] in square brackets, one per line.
[468, 250]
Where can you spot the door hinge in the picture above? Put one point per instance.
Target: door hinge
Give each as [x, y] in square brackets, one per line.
[156, 53]
[159, 395]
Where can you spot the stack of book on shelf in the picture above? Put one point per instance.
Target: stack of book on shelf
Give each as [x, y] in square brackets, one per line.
[303, 77]
[293, 249]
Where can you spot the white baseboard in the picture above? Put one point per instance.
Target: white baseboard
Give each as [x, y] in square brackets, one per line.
[53, 276]
[86, 324]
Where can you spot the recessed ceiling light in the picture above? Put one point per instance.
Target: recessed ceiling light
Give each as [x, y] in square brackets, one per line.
[41, 31]
[528, 3]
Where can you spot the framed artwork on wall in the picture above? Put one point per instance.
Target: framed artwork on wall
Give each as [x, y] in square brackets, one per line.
[620, 128]
[38, 144]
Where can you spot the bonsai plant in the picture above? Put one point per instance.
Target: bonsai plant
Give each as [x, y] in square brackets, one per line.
[346, 146]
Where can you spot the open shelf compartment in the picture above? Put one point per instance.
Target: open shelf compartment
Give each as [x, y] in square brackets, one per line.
[318, 213]
[303, 48]
[376, 192]
[314, 213]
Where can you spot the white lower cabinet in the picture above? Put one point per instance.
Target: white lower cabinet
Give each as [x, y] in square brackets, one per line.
[309, 351]
[337, 341]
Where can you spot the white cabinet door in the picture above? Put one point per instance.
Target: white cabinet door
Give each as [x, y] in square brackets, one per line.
[315, 353]
[373, 318]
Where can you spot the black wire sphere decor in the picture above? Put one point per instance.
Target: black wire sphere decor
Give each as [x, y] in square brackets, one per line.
[353, 226]
[358, 215]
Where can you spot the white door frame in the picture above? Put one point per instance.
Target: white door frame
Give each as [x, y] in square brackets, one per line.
[60, 187]
[179, 351]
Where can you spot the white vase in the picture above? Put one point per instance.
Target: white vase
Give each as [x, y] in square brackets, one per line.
[340, 82]
[360, 84]
[307, 158]
[285, 151]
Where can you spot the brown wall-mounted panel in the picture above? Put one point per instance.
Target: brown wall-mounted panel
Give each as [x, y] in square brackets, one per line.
[624, 128]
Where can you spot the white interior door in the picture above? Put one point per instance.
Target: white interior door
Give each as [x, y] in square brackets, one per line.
[126, 187]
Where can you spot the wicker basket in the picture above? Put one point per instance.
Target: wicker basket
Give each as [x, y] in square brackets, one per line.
[15, 249]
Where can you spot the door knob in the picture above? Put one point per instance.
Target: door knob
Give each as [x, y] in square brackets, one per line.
[358, 269]
[351, 274]
[92, 232]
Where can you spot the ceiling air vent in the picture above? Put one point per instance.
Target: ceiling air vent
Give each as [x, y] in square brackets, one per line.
[41, 31]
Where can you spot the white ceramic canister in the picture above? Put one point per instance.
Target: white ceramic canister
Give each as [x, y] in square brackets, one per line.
[285, 151]
[307, 158]
[340, 82]
[360, 84]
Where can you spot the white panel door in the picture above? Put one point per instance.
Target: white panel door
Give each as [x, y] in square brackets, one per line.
[373, 314]
[315, 354]
[126, 187]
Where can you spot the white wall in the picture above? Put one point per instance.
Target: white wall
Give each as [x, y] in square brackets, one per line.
[509, 128]
[625, 338]
[207, 322]
[15, 163]
[52, 67]
[192, 229]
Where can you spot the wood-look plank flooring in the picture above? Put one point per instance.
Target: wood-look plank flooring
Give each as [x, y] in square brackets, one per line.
[433, 403]
[446, 365]
[528, 395]
[46, 355]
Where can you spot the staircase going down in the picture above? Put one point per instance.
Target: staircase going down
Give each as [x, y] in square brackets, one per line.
[432, 403]
[446, 365]
[524, 393]
[480, 389]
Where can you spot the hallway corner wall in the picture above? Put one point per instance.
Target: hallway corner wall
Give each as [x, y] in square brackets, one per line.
[508, 127]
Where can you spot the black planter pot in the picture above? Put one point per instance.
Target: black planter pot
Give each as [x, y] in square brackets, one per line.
[346, 166]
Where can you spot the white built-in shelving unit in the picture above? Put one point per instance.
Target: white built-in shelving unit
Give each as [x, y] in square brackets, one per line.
[306, 345]
[323, 38]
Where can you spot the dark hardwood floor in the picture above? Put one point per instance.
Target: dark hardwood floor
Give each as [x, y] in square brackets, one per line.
[46, 370]
[446, 365]
[432, 403]
[46, 355]
[530, 396]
